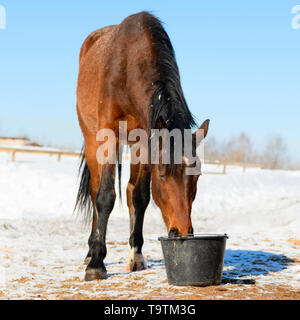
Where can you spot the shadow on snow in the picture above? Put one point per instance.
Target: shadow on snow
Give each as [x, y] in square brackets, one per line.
[240, 264]
[245, 263]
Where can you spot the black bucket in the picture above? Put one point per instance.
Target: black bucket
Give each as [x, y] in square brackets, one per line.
[194, 260]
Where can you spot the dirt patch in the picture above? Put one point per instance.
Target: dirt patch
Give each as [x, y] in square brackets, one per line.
[121, 243]
[137, 289]
[294, 242]
[22, 280]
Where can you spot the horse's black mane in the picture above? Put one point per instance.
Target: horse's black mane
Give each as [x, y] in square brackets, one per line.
[168, 108]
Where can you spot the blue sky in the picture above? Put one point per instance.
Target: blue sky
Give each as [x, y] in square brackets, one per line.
[239, 63]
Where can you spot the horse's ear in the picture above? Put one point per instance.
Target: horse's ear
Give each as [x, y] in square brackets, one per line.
[202, 131]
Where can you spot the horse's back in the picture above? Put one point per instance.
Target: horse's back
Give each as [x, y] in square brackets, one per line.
[99, 37]
[93, 53]
[117, 69]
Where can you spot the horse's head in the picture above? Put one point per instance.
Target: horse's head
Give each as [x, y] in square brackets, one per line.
[174, 192]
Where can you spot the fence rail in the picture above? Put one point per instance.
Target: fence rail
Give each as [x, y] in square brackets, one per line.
[59, 153]
[225, 164]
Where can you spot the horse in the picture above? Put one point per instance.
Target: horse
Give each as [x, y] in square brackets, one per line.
[128, 72]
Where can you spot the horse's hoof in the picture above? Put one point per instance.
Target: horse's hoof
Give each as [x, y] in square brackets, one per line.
[95, 274]
[136, 266]
[87, 260]
[136, 261]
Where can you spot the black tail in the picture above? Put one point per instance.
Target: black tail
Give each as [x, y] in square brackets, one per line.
[83, 200]
[120, 172]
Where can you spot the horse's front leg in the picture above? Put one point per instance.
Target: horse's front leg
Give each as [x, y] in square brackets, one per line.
[90, 242]
[105, 201]
[138, 197]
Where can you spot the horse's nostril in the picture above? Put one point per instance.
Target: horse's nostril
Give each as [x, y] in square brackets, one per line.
[191, 231]
[173, 232]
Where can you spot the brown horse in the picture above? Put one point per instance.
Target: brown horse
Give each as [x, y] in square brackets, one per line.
[128, 72]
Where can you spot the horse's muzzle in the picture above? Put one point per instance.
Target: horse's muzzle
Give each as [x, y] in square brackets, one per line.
[175, 233]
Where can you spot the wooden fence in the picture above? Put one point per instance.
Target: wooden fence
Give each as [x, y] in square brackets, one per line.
[225, 164]
[59, 153]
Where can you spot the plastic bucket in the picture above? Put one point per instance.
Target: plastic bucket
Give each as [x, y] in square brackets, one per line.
[194, 260]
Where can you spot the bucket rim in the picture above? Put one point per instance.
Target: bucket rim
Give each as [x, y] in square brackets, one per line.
[196, 237]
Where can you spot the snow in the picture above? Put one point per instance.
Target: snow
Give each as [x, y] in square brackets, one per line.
[42, 241]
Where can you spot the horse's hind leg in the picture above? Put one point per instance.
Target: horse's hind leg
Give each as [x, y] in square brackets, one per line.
[138, 197]
[104, 203]
[90, 156]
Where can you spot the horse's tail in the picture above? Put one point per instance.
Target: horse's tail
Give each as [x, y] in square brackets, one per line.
[120, 172]
[83, 200]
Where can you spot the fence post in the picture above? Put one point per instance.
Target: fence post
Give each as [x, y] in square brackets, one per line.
[13, 156]
[224, 168]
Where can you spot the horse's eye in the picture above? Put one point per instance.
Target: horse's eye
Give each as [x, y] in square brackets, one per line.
[162, 176]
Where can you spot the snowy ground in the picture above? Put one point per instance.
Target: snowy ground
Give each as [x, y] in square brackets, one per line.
[43, 245]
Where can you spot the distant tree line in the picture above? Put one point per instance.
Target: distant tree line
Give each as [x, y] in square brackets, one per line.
[241, 149]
